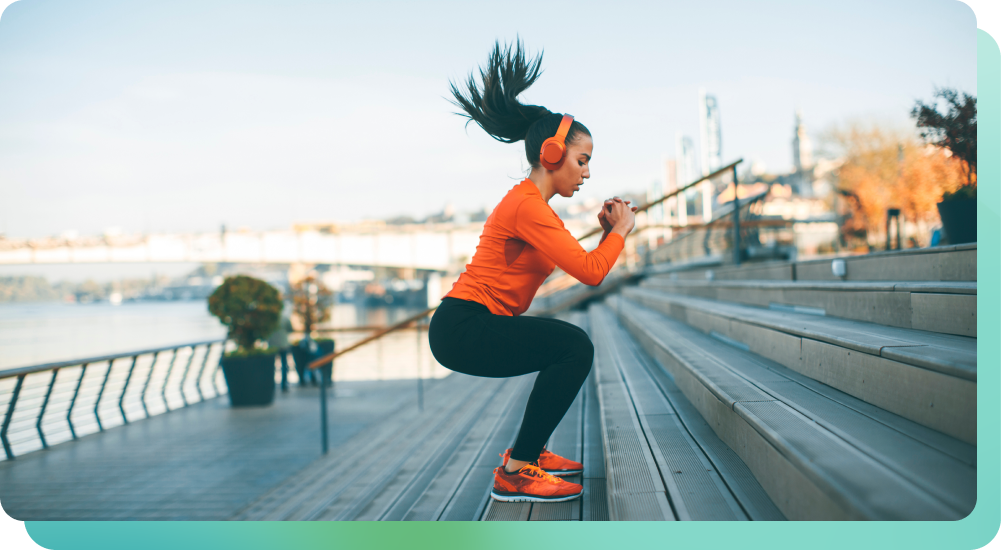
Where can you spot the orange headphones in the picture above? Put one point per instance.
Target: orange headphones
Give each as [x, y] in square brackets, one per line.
[553, 149]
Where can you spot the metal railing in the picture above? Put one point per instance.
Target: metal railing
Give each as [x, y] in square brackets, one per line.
[48, 404]
[421, 318]
[328, 359]
[571, 292]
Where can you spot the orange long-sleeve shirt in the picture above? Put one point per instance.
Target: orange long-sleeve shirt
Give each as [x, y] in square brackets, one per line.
[522, 241]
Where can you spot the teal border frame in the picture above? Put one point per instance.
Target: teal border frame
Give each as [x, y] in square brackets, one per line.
[974, 531]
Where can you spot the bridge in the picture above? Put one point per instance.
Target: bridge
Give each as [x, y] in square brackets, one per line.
[436, 247]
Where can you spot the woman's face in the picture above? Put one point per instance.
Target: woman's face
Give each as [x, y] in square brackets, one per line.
[569, 177]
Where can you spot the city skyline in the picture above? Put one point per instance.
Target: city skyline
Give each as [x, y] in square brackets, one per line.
[191, 122]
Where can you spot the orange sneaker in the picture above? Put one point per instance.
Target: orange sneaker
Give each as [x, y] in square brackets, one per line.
[552, 463]
[531, 484]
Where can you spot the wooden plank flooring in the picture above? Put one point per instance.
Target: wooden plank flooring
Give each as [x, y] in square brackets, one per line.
[203, 462]
[389, 461]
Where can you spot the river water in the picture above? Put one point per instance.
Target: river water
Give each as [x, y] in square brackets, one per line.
[37, 333]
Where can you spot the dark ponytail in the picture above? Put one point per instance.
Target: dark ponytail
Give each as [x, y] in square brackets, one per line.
[497, 109]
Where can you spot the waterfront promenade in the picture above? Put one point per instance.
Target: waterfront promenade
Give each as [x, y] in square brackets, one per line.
[761, 391]
[202, 462]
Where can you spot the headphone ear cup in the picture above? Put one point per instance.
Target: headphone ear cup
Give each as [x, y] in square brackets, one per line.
[552, 154]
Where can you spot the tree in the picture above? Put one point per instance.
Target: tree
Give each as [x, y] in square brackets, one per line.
[955, 130]
[311, 301]
[885, 168]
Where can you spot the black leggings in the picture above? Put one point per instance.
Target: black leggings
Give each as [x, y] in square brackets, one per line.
[465, 337]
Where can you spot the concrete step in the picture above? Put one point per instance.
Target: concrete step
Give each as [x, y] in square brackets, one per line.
[941, 263]
[699, 482]
[819, 453]
[635, 489]
[946, 307]
[926, 377]
[569, 440]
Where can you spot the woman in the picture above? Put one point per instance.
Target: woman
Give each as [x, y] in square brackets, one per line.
[477, 329]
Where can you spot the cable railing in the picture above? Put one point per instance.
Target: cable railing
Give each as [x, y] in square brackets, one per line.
[56, 402]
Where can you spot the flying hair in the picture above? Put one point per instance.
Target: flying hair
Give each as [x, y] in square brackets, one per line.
[495, 106]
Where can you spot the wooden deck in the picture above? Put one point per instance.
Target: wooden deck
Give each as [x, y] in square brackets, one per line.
[679, 419]
[203, 462]
[389, 461]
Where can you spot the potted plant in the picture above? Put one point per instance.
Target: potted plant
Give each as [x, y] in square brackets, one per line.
[251, 309]
[311, 302]
[956, 131]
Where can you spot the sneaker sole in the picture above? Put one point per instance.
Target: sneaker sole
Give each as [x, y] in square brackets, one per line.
[530, 498]
[563, 472]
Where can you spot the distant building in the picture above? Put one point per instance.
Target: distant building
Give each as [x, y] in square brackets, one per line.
[709, 131]
[670, 184]
[655, 213]
[802, 158]
[686, 173]
[712, 147]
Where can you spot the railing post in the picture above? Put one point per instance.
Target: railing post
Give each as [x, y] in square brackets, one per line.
[736, 220]
[149, 376]
[184, 377]
[215, 372]
[420, 379]
[100, 394]
[323, 409]
[201, 371]
[76, 392]
[166, 380]
[10, 414]
[45, 403]
[125, 388]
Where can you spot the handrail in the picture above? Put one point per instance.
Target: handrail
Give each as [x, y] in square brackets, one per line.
[359, 328]
[317, 363]
[726, 221]
[671, 194]
[331, 356]
[18, 371]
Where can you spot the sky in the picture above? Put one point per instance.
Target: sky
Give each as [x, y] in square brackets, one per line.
[185, 116]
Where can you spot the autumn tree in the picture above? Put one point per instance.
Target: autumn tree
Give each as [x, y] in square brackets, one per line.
[890, 168]
[311, 301]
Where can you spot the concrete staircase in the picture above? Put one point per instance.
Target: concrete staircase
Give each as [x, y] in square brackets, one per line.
[848, 396]
[789, 390]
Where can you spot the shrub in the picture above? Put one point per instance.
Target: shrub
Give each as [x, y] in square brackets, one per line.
[249, 307]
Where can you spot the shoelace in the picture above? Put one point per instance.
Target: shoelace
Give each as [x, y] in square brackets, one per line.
[532, 469]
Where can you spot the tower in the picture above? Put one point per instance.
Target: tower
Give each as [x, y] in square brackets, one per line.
[712, 147]
[670, 205]
[709, 131]
[802, 156]
[686, 171]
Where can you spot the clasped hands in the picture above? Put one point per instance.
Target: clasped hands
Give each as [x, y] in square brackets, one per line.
[617, 216]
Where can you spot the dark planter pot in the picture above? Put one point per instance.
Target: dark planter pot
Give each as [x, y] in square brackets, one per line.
[301, 358]
[251, 380]
[959, 218]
